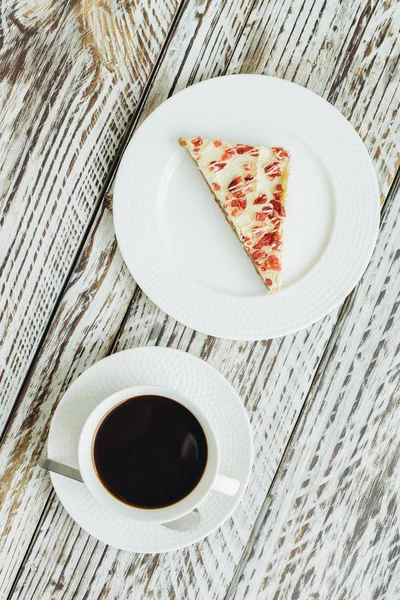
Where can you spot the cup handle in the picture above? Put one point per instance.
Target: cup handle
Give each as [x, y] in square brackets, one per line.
[226, 485]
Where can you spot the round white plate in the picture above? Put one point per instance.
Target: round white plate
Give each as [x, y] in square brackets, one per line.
[177, 243]
[151, 366]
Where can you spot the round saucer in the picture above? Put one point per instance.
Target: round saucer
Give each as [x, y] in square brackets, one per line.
[156, 366]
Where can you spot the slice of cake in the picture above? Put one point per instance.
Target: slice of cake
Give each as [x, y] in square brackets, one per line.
[249, 183]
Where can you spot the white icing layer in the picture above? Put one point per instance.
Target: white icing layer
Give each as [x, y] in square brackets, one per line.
[249, 183]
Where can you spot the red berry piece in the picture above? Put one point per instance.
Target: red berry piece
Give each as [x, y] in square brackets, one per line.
[229, 152]
[216, 186]
[271, 238]
[257, 255]
[217, 143]
[216, 166]
[269, 211]
[262, 199]
[273, 170]
[278, 206]
[281, 153]
[261, 216]
[240, 202]
[273, 263]
[263, 241]
[242, 148]
[278, 193]
[235, 185]
[197, 141]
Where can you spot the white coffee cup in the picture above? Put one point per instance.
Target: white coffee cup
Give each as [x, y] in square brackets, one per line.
[211, 479]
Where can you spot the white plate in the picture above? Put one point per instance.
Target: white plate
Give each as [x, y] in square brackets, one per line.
[177, 243]
[151, 366]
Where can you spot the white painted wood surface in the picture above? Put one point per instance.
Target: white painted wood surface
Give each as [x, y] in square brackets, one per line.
[332, 529]
[347, 52]
[71, 77]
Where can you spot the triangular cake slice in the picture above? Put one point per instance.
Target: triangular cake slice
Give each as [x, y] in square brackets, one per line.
[249, 183]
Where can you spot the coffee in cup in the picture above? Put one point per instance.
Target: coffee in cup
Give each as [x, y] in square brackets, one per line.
[150, 451]
[150, 454]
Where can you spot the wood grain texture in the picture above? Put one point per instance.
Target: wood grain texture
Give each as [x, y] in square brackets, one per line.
[92, 308]
[332, 529]
[64, 562]
[76, 338]
[71, 76]
[347, 52]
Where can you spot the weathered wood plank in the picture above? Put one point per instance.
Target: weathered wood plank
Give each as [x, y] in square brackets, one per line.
[332, 529]
[347, 52]
[71, 77]
[92, 308]
[286, 366]
[78, 336]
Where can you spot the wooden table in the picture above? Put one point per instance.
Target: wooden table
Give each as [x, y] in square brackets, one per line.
[320, 518]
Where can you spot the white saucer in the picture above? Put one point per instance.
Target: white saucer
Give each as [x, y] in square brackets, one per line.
[156, 366]
[177, 244]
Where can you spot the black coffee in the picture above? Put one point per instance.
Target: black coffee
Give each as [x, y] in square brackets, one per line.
[150, 451]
